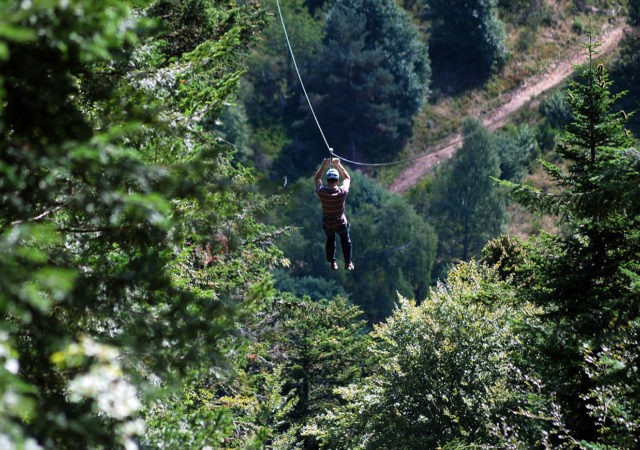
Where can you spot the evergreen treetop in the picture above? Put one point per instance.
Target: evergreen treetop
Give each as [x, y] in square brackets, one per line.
[582, 277]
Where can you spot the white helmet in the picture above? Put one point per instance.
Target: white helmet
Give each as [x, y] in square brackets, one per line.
[332, 174]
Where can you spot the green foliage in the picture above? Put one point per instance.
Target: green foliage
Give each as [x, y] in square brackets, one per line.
[613, 397]
[467, 209]
[467, 41]
[272, 94]
[314, 5]
[275, 85]
[393, 248]
[445, 372]
[556, 109]
[167, 430]
[29, 286]
[300, 352]
[135, 270]
[419, 195]
[316, 288]
[187, 24]
[367, 85]
[522, 11]
[233, 128]
[634, 12]
[325, 348]
[558, 114]
[244, 411]
[625, 73]
[578, 26]
[585, 280]
[50, 160]
[127, 236]
[595, 142]
[517, 147]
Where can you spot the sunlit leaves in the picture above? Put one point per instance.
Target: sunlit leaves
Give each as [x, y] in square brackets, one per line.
[106, 187]
[26, 274]
[446, 370]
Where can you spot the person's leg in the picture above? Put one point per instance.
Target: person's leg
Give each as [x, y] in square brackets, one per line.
[330, 245]
[345, 242]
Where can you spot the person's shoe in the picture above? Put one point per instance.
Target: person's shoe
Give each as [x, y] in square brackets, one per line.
[349, 266]
[334, 265]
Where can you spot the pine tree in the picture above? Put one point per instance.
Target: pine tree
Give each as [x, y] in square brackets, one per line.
[467, 208]
[584, 279]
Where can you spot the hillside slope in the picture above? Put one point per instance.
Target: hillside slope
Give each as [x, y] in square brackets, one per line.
[512, 102]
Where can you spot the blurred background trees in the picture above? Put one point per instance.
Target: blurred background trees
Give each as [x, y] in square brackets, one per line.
[393, 248]
[367, 83]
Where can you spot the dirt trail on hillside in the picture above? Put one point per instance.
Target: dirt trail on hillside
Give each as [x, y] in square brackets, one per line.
[500, 116]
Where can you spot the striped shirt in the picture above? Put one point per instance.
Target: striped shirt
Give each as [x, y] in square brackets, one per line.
[333, 200]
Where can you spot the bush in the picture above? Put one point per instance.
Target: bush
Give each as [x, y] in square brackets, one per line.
[556, 109]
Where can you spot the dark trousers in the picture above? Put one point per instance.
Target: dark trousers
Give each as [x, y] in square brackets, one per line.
[345, 242]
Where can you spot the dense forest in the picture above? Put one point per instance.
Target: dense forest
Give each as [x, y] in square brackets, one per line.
[163, 279]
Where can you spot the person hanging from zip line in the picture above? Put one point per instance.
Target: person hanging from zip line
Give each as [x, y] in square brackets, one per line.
[334, 221]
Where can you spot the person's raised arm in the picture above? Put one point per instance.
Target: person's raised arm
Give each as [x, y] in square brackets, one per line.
[346, 179]
[320, 171]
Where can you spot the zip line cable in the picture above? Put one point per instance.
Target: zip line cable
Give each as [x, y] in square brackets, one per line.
[400, 161]
[293, 58]
[313, 113]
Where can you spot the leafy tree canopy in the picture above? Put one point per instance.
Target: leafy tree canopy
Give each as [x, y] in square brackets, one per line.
[445, 372]
[127, 237]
